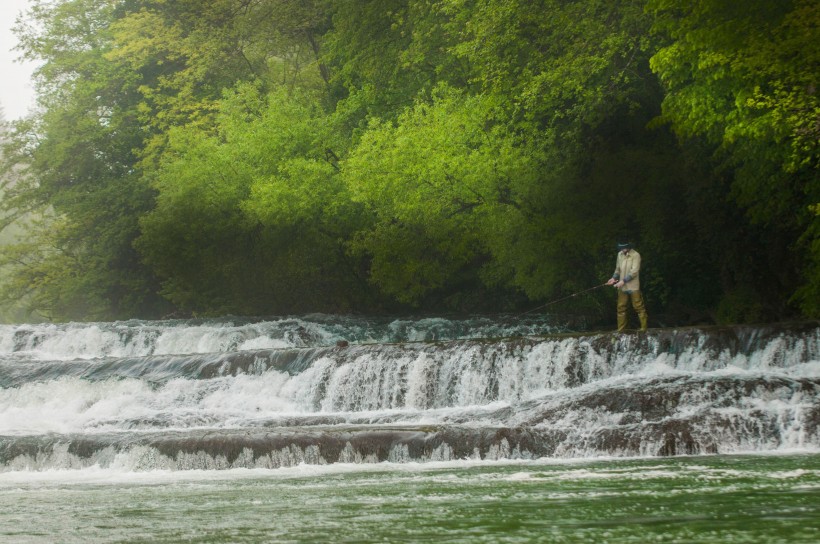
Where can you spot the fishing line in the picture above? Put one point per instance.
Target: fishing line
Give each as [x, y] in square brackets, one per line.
[563, 298]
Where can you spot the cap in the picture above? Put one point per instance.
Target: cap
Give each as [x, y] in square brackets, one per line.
[624, 245]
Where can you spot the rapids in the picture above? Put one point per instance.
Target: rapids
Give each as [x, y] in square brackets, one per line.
[241, 393]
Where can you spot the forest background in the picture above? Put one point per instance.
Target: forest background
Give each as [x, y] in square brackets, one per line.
[264, 157]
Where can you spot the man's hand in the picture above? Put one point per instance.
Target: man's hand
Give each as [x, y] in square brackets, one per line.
[611, 281]
[619, 284]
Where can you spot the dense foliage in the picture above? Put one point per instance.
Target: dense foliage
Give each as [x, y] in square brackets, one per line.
[282, 156]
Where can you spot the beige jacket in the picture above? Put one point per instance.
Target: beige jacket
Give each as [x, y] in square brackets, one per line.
[627, 268]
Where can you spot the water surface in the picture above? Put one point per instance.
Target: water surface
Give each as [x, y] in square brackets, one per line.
[751, 498]
[351, 429]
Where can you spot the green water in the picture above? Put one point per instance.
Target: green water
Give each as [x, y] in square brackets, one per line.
[765, 498]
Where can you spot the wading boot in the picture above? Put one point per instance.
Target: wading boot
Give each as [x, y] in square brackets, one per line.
[644, 319]
[623, 300]
[640, 309]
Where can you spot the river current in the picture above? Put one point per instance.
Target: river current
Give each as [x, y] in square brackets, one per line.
[364, 429]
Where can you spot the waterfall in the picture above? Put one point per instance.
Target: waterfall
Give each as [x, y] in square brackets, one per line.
[215, 394]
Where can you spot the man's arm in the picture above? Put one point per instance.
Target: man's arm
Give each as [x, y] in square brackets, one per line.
[634, 268]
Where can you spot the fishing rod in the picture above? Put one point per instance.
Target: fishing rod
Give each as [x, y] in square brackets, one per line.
[564, 298]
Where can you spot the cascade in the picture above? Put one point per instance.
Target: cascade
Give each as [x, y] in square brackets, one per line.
[242, 393]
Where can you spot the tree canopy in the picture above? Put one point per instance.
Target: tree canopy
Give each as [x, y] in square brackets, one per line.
[283, 156]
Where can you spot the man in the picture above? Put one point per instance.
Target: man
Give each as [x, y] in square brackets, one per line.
[626, 280]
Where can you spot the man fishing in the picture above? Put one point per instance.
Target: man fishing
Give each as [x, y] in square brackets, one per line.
[625, 279]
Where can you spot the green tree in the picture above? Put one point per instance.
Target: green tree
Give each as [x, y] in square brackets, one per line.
[251, 218]
[382, 56]
[561, 98]
[744, 77]
[78, 157]
[187, 52]
[117, 77]
[298, 155]
[437, 183]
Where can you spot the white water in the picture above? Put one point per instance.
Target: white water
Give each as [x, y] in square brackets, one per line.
[733, 400]
[144, 338]
[121, 474]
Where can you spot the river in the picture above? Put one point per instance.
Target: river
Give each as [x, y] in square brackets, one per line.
[356, 429]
